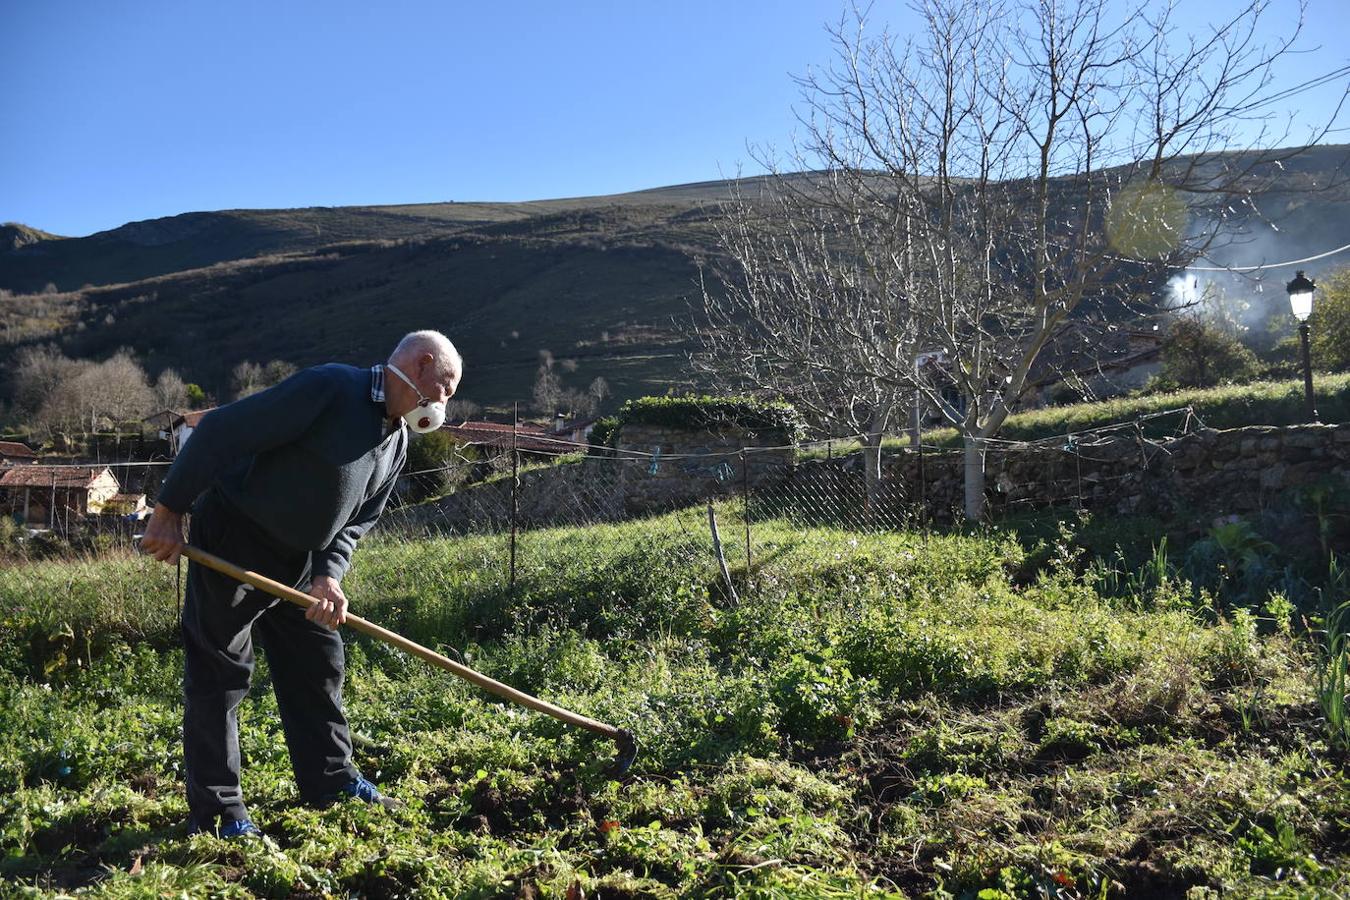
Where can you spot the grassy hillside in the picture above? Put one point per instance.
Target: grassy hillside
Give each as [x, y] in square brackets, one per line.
[920, 714]
[595, 279]
[608, 306]
[1159, 415]
[155, 247]
[13, 236]
[1229, 406]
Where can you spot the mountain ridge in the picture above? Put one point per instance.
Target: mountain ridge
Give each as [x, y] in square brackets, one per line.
[605, 282]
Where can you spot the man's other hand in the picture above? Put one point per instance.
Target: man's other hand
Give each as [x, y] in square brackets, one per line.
[163, 538]
[331, 608]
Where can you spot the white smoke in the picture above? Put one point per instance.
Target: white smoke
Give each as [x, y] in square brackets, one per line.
[1248, 300]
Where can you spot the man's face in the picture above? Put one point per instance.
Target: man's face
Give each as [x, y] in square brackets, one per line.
[434, 384]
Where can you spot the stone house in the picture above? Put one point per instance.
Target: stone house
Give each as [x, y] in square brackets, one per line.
[13, 453]
[577, 431]
[39, 494]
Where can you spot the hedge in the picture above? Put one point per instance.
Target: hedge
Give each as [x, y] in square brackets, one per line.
[707, 413]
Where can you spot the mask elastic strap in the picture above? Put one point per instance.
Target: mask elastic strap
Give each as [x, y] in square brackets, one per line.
[406, 380]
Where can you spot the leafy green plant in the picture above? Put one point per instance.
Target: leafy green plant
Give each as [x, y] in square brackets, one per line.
[604, 432]
[818, 697]
[1333, 660]
[1235, 562]
[1278, 852]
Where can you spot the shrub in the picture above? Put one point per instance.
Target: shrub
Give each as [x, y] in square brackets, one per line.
[818, 697]
[700, 413]
[604, 432]
[432, 457]
[1330, 322]
[1198, 354]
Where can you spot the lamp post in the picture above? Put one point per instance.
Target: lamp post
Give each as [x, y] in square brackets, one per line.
[1300, 301]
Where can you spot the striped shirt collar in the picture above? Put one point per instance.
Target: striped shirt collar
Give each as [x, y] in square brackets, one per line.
[395, 423]
[377, 384]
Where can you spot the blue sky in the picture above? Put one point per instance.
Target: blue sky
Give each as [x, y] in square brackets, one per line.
[114, 111]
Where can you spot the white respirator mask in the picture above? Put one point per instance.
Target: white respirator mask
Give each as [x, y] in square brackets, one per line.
[427, 415]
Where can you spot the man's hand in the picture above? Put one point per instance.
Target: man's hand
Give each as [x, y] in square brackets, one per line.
[163, 538]
[331, 608]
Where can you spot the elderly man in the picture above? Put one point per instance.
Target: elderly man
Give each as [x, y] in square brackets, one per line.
[285, 483]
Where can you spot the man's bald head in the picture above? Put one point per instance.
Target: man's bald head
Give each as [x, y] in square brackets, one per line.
[417, 344]
[431, 362]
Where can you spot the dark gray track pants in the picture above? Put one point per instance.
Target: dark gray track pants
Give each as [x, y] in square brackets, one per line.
[221, 619]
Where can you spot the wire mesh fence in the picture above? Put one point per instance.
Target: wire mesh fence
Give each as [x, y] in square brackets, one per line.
[516, 501]
[826, 493]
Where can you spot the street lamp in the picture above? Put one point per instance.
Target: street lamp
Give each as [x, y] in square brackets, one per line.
[1300, 301]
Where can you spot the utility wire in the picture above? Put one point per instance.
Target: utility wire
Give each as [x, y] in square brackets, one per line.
[1257, 268]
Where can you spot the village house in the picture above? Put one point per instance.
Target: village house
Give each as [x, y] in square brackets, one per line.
[181, 428]
[495, 438]
[1094, 364]
[16, 454]
[44, 495]
[577, 431]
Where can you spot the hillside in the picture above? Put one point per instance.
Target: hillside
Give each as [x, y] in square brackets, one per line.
[30, 259]
[595, 287]
[14, 236]
[600, 281]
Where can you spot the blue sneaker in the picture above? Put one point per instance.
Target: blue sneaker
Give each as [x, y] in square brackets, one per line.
[232, 830]
[240, 829]
[366, 792]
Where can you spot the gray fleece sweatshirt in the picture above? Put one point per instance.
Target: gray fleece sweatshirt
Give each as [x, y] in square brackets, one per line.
[309, 461]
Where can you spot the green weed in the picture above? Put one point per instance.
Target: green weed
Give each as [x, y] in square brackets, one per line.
[901, 713]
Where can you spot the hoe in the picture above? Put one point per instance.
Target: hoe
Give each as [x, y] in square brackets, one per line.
[622, 737]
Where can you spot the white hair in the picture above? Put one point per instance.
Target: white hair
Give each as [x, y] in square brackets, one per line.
[415, 343]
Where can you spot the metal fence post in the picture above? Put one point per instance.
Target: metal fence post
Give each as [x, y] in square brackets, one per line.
[745, 506]
[923, 489]
[515, 491]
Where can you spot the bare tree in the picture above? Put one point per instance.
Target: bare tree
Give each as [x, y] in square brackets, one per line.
[551, 397]
[461, 410]
[810, 309]
[98, 395]
[1009, 169]
[171, 391]
[598, 392]
[249, 377]
[548, 389]
[37, 374]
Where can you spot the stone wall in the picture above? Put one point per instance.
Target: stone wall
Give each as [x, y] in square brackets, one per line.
[1205, 473]
[663, 468]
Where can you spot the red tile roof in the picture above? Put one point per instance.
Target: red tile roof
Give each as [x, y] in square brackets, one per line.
[16, 450]
[531, 438]
[194, 418]
[49, 476]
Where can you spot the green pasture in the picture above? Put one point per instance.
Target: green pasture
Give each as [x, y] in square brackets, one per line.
[1011, 712]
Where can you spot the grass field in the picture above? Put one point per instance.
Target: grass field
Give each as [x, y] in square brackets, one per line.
[1161, 415]
[980, 715]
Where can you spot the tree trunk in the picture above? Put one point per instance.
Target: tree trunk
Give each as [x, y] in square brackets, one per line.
[871, 453]
[974, 478]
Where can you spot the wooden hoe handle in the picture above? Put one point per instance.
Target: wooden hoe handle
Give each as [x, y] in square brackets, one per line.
[506, 692]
